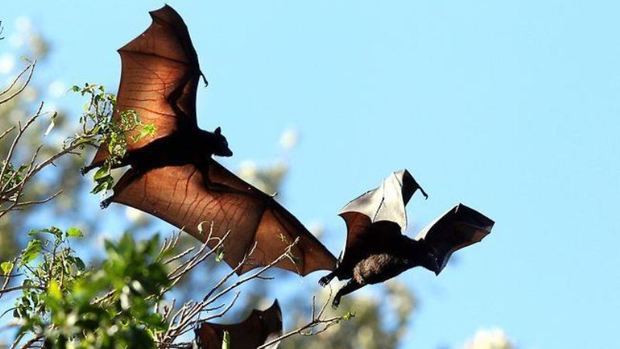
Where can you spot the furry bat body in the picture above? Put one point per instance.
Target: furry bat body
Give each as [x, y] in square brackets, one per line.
[173, 176]
[376, 249]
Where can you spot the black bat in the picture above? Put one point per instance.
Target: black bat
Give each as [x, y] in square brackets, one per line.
[260, 327]
[173, 175]
[376, 249]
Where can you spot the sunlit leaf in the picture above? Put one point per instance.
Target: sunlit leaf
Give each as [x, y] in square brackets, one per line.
[74, 232]
[32, 251]
[6, 267]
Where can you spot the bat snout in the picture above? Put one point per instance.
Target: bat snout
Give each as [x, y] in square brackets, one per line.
[224, 152]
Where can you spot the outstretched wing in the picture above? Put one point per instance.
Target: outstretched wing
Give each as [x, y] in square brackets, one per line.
[386, 202]
[375, 218]
[159, 78]
[189, 195]
[461, 226]
[262, 326]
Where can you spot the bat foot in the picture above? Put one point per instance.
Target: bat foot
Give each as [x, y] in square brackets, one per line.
[105, 203]
[336, 303]
[324, 281]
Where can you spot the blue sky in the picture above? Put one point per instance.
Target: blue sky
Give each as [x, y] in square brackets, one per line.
[511, 107]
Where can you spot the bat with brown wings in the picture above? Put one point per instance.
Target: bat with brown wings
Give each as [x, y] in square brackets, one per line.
[173, 176]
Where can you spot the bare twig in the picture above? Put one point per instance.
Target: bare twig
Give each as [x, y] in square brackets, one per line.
[7, 131]
[28, 69]
[18, 288]
[318, 324]
[185, 319]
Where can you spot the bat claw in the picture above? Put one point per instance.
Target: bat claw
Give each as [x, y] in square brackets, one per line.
[335, 303]
[105, 203]
[324, 281]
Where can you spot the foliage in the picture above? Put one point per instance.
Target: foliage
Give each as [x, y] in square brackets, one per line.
[99, 128]
[115, 304]
[57, 301]
[122, 301]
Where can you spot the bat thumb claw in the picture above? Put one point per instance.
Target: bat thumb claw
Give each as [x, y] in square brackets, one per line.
[423, 192]
[105, 203]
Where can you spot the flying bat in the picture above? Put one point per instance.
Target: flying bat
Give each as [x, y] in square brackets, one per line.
[261, 327]
[376, 248]
[173, 175]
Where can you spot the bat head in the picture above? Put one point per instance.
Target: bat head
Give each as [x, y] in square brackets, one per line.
[219, 144]
[431, 262]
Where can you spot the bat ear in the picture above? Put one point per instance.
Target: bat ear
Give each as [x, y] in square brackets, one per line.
[218, 131]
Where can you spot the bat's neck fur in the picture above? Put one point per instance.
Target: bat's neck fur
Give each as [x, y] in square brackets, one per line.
[180, 148]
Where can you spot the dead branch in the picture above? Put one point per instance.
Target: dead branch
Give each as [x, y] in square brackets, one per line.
[29, 69]
[316, 325]
[186, 318]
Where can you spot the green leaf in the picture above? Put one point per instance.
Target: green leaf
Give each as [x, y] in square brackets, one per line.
[220, 254]
[54, 231]
[6, 267]
[53, 290]
[34, 232]
[102, 172]
[31, 251]
[79, 263]
[348, 315]
[74, 232]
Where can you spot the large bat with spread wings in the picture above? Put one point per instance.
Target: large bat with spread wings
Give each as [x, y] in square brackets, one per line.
[173, 175]
[259, 328]
[376, 248]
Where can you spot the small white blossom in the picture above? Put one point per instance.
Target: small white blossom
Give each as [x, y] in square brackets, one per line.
[248, 169]
[289, 139]
[493, 338]
[7, 63]
[134, 215]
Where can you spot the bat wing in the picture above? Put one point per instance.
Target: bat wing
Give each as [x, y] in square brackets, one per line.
[461, 226]
[262, 326]
[386, 202]
[376, 217]
[159, 78]
[189, 195]
[364, 238]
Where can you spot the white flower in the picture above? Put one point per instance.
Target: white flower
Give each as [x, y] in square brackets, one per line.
[134, 215]
[7, 63]
[248, 169]
[493, 338]
[289, 139]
